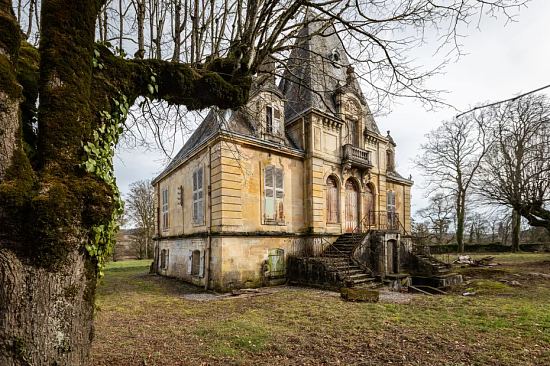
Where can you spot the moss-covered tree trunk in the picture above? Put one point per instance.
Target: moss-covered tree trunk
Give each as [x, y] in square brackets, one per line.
[55, 199]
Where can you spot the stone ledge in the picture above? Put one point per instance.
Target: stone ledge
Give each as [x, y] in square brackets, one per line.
[359, 294]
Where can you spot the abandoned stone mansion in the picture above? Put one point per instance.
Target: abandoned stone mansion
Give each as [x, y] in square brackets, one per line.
[269, 192]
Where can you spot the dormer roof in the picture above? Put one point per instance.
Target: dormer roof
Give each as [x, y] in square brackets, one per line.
[317, 70]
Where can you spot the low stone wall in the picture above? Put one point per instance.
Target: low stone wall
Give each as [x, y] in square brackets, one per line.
[312, 272]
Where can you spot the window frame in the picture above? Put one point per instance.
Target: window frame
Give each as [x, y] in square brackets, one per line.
[335, 210]
[198, 196]
[165, 209]
[164, 258]
[272, 123]
[273, 204]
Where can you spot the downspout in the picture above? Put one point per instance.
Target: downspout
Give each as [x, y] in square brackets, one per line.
[209, 245]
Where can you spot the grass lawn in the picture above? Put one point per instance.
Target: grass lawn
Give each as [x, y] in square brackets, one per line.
[145, 319]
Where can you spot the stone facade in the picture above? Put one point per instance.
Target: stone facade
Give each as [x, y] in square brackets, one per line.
[287, 174]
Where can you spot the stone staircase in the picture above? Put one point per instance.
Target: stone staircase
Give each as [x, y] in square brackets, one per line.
[338, 258]
[429, 272]
[431, 265]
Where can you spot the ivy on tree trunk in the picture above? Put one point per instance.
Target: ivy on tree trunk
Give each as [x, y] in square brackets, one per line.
[51, 203]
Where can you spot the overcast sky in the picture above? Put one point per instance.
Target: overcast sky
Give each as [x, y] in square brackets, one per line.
[501, 61]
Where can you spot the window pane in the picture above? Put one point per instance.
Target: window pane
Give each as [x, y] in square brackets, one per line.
[269, 119]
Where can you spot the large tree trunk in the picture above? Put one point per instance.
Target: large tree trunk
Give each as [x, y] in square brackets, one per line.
[516, 230]
[460, 217]
[45, 317]
[50, 204]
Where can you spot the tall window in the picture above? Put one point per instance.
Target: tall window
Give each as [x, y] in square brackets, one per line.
[332, 201]
[392, 217]
[198, 196]
[165, 217]
[272, 119]
[353, 134]
[273, 195]
[391, 201]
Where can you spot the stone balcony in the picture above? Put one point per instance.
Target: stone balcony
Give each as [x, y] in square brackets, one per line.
[356, 157]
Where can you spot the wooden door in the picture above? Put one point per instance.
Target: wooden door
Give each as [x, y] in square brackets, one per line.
[369, 206]
[332, 201]
[352, 207]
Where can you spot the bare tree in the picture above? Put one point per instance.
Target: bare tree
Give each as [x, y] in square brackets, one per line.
[140, 208]
[439, 215]
[450, 160]
[516, 170]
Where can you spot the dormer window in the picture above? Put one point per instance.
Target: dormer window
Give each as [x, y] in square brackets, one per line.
[272, 119]
[335, 55]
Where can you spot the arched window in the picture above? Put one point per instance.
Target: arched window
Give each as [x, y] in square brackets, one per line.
[332, 201]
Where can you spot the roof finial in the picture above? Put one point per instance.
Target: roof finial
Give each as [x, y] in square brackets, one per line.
[349, 75]
[390, 139]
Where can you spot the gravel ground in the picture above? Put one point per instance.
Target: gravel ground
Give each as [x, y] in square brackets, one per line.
[386, 296]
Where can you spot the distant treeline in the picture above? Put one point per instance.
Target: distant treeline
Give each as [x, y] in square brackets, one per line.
[491, 247]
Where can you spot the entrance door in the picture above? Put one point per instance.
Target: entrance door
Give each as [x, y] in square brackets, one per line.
[352, 208]
[369, 205]
[392, 256]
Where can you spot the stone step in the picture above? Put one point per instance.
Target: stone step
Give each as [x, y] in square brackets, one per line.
[361, 281]
[336, 255]
[346, 267]
[358, 276]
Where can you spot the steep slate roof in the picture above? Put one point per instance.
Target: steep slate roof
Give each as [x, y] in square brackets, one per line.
[311, 81]
[313, 76]
[217, 121]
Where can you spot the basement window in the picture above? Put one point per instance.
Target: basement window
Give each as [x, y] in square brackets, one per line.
[164, 259]
[195, 265]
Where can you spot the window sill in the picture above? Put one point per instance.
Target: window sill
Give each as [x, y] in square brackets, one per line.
[274, 223]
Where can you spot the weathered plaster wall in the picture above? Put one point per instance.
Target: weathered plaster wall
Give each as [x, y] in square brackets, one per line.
[178, 252]
[181, 217]
[238, 204]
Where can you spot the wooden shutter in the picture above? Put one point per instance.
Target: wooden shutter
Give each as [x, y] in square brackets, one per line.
[190, 262]
[279, 194]
[269, 194]
[269, 119]
[276, 120]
